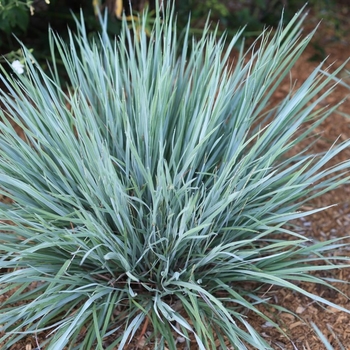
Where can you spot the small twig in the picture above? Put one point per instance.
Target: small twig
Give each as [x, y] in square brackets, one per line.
[143, 330]
[267, 290]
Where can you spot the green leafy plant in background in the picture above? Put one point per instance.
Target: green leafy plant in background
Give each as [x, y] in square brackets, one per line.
[255, 15]
[39, 14]
[155, 187]
[14, 17]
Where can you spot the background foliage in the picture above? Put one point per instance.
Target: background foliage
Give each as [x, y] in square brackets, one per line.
[29, 19]
[14, 18]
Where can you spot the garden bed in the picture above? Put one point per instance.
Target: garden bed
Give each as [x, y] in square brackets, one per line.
[331, 223]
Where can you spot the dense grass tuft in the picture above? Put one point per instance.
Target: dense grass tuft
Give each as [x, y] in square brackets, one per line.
[156, 186]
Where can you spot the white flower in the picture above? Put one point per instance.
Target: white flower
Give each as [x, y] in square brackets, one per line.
[17, 66]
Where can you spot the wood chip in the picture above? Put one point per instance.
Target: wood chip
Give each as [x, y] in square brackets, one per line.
[299, 310]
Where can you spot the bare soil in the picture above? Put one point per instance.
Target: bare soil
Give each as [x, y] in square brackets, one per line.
[331, 223]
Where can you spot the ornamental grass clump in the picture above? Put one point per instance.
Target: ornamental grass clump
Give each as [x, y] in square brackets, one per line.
[153, 187]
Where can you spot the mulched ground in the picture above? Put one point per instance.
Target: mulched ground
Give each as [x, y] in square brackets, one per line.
[331, 223]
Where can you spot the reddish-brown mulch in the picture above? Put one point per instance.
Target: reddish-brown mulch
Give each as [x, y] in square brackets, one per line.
[331, 223]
